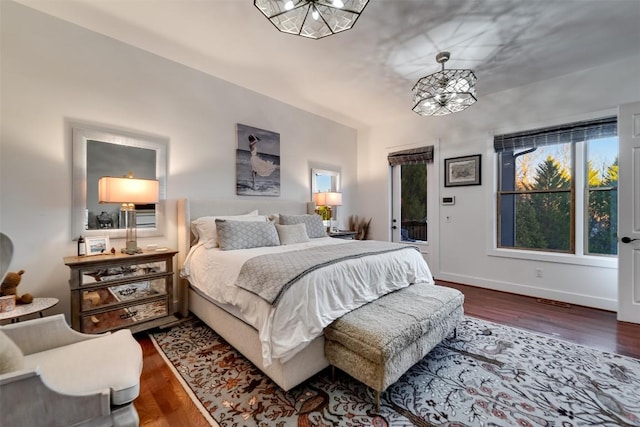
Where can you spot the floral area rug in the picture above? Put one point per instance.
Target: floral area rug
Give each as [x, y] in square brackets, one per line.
[489, 375]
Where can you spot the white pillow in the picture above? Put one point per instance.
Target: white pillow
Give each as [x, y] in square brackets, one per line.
[204, 228]
[11, 357]
[294, 233]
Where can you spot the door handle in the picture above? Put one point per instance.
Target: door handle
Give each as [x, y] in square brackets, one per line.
[626, 239]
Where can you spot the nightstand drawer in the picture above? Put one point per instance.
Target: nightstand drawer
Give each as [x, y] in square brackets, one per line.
[108, 295]
[124, 317]
[92, 277]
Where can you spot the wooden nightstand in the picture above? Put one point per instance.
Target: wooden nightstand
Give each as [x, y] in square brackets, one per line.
[343, 234]
[110, 292]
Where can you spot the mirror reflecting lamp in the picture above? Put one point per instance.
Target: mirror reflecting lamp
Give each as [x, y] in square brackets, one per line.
[444, 92]
[325, 202]
[313, 19]
[128, 191]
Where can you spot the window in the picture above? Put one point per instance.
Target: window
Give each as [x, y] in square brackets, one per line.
[539, 171]
[409, 182]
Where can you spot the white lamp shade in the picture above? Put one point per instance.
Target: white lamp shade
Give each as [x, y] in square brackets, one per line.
[128, 190]
[327, 198]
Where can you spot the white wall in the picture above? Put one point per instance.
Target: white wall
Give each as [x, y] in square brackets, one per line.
[53, 72]
[461, 253]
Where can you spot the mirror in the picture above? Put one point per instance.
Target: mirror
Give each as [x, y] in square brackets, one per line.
[324, 180]
[101, 152]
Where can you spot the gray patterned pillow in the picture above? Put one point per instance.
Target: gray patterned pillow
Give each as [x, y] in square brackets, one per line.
[245, 235]
[315, 227]
[294, 233]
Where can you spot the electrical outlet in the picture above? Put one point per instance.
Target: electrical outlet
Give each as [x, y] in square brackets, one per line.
[538, 272]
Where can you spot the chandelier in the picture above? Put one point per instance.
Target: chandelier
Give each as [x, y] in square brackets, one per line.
[313, 19]
[444, 92]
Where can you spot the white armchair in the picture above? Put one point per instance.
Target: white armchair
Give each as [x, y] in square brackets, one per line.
[51, 375]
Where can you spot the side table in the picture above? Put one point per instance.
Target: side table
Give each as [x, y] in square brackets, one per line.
[38, 305]
[343, 234]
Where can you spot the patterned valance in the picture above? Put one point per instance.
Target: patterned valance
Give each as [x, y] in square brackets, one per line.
[411, 156]
[570, 132]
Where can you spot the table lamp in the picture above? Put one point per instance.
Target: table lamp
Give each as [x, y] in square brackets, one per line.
[325, 202]
[128, 191]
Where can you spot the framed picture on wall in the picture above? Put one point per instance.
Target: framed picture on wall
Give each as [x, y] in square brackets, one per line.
[461, 171]
[257, 162]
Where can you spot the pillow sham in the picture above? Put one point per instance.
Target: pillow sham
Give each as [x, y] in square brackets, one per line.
[204, 228]
[290, 234]
[245, 234]
[313, 222]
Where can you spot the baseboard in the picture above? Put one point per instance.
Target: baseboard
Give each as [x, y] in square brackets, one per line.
[532, 291]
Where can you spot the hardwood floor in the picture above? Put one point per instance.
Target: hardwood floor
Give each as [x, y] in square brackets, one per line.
[163, 401]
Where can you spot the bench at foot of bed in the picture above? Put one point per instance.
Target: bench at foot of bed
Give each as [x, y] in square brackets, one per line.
[381, 340]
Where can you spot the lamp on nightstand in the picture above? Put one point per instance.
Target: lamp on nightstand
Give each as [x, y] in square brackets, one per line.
[325, 202]
[129, 191]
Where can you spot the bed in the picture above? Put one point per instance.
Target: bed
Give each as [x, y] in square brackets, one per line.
[256, 328]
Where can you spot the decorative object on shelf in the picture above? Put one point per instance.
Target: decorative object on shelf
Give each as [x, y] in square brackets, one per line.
[129, 191]
[325, 202]
[257, 162]
[461, 171]
[9, 287]
[312, 19]
[98, 245]
[360, 226]
[7, 303]
[444, 92]
[82, 246]
[104, 220]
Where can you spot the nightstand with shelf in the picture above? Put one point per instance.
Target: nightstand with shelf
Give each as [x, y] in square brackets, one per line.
[343, 234]
[110, 292]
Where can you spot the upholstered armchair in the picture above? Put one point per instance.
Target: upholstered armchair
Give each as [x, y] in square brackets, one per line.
[51, 375]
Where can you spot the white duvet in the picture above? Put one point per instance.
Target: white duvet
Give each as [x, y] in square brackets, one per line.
[313, 302]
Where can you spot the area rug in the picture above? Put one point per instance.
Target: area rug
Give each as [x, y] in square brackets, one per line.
[488, 375]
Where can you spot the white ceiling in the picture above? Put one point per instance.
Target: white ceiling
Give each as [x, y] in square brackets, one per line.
[365, 75]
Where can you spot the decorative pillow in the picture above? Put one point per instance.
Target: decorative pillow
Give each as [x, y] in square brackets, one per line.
[11, 357]
[294, 233]
[246, 234]
[315, 227]
[204, 228]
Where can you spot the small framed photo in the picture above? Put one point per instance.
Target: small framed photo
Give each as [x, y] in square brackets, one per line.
[460, 171]
[97, 245]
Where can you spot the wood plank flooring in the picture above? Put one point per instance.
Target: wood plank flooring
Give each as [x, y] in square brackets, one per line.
[163, 401]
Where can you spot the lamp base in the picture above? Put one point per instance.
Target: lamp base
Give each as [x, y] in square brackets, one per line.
[131, 251]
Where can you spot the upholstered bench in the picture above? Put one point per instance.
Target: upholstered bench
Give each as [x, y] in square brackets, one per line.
[381, 340]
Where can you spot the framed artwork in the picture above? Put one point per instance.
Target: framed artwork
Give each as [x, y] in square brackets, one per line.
[257, 162]
[461, 171]
[97, 245]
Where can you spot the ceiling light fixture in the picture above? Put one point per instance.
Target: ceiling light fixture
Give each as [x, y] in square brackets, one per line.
[313, 19]
[444, 92]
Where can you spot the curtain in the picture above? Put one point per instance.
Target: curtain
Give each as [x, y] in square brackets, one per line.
[571, 132]
[411, 156]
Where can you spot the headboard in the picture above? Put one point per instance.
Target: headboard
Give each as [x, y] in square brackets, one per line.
[188, 210]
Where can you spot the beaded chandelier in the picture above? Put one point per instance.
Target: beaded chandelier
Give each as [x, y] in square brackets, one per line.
[313, 19]
[444, 92]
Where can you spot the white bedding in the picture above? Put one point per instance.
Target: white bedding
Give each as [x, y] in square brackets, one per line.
[311, 304]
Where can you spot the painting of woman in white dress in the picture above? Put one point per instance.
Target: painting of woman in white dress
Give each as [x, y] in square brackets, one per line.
[257, 162]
